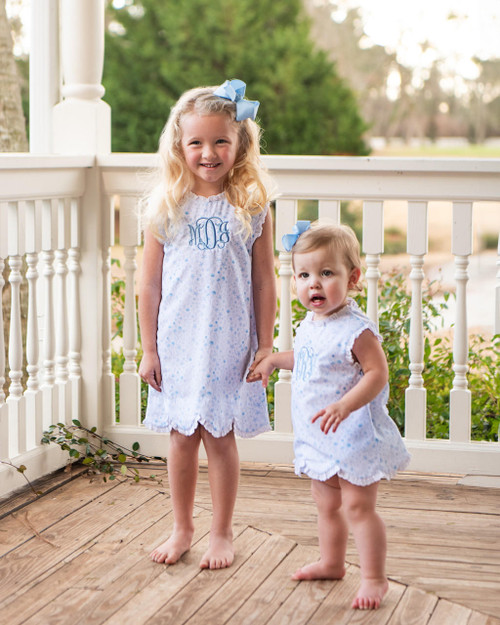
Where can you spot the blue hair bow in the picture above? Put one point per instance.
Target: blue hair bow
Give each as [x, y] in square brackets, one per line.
[289, 240]
[234, 90]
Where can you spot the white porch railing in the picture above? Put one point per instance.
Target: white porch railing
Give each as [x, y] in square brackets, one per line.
[56, 216]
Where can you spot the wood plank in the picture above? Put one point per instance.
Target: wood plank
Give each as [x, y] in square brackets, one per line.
[415, 608]
[447, 613]
[91, 566]
[180, 589]
[34, 557]
[274, 590]
[227, 600]
[45, 511]
[302, 603]
[336, 607]
[386, 610]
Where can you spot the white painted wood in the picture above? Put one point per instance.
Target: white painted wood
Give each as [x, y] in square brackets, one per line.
[130, 383]
[415, 395]
[373, 246]
[33, 397]
[497, 292]
[82, 121]
[49, 240]
[75, 324]
[45, 78]
[108, 380]
[2, 340]
[460, 399]
[286, 217]
[329, 209]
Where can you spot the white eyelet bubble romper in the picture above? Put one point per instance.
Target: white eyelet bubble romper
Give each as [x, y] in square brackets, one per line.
[366, 446]
[206, 327]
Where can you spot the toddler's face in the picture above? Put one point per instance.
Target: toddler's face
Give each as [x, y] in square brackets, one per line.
[209, 145]
[323, 281]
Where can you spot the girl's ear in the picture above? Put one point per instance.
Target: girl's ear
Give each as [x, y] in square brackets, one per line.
[354, 277]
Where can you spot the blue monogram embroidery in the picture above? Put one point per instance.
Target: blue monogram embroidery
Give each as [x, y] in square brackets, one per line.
[305, 363]
[208, 233]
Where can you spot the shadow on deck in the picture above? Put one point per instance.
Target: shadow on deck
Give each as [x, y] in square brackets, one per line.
[79, 555]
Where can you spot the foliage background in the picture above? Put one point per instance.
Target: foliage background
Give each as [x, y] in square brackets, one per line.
[157, 49]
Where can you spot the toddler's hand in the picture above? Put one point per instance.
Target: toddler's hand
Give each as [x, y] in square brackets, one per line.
[150, 370]
[260, 369]
[331, 417]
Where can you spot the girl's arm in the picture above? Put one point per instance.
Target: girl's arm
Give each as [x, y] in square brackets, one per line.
[149, 302]
[264, 289]
[263, 369]
[370, 355]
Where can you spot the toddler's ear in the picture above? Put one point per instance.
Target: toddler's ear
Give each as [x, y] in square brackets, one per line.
[354, 277]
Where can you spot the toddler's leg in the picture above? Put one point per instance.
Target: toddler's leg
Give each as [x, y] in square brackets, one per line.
[332, 532]
[182, 476]
[369, 534]
[223, 475]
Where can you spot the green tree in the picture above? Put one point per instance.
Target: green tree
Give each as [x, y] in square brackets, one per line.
[156, 49]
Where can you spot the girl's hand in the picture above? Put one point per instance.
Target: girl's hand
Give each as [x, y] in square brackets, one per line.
[331, 417]
[261, 369]
[150, 370]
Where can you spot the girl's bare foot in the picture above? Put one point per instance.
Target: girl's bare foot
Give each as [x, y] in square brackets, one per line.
[319, 570]
[173, 548]
[220, 553]
[370, 594]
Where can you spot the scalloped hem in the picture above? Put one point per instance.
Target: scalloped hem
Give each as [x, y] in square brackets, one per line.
[356, 480]
[190, 431]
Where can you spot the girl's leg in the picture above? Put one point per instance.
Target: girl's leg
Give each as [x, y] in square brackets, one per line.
[182, 476]
[332, 532]
[369, 534]
[223, 475]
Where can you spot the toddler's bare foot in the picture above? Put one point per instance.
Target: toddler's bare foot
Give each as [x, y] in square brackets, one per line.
[173, 548]
[319, 570]
[220, 553]
[370, 594]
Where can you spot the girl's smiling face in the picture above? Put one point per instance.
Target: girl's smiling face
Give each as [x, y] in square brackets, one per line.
[323, 281]
[210, 146]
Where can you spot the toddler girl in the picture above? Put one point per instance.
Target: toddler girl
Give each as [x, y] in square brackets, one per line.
[207, 303]
[344, 438]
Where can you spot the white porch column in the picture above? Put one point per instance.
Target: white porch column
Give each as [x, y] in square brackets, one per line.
[45, 75]
[82, 125]
[82, 121]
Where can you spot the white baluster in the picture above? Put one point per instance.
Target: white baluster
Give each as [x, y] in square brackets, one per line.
[460, 397]
[15, 357]
[415, 395]
[107, 374]
[373, 246]
[15, 399]
[49, 229]
[130, 383]
[329, 209]
[33, 395]
[75, 325]
[497, 292]
[286, 216]
[4, 419]
[61, 310]
[2, 340]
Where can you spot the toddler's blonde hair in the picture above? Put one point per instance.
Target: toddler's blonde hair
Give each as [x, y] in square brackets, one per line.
[247, 186]
[337, 239]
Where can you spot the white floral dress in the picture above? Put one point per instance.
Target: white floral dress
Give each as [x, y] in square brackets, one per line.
[367, 445]
[206, 327]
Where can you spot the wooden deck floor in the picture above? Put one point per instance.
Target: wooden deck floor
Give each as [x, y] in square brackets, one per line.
[79, 555]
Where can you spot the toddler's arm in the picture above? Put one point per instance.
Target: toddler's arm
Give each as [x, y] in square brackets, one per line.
[149, 302]
[263, 369]
[370, 355]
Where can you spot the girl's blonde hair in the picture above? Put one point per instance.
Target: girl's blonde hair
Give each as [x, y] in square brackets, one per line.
[337, 239]
[247, 186]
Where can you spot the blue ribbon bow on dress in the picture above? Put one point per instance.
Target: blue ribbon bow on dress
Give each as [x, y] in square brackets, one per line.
[289, 240]
[234, 90]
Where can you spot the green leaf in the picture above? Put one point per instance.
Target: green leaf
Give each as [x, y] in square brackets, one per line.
[135, 446]
[123, 469]
[122, 458]
[77, 423]
[21, 468]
